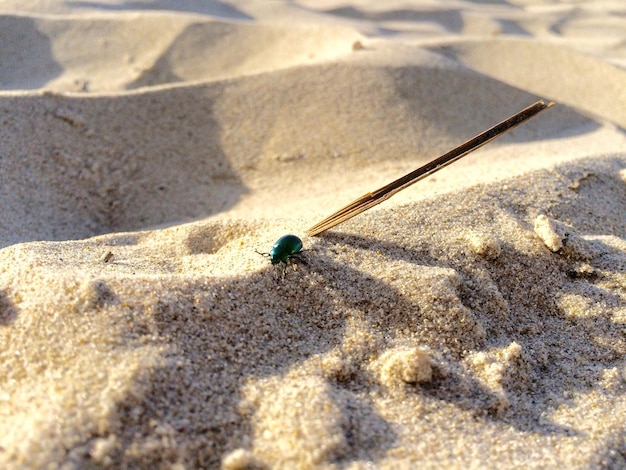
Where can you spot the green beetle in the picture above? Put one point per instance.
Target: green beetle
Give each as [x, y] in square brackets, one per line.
[286, 247]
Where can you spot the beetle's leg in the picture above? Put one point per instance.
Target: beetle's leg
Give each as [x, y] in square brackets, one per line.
[284, 270]
[276, 268]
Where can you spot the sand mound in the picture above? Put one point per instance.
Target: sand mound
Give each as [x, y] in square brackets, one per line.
[600, 93]
[100, 164]
[200, 351]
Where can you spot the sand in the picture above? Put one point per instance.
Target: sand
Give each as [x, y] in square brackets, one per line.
[149, 149]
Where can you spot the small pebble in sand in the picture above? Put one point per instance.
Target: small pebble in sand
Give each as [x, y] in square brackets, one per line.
[357, 46]
[240, 459]
[547, 231]
[500, 370]
[102, 448]
[612, 379]
[408, 365]
[559, 237]
[484, 245]
[105, 258]
[338, 367]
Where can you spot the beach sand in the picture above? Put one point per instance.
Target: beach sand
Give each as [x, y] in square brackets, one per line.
[149, 149]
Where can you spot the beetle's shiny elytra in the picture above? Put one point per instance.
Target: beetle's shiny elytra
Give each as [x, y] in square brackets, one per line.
[288, 246]
[285, 248]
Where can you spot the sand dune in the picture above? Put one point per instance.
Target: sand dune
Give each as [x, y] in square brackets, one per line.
[105, 163]
[58, 52]
[149, 148]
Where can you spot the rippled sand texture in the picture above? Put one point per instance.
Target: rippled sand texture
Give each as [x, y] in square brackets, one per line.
[147, 149]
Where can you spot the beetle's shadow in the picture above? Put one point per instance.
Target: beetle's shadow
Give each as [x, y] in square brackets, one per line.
[248, 337]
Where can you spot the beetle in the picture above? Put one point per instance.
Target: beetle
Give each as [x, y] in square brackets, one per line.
[286, 247]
